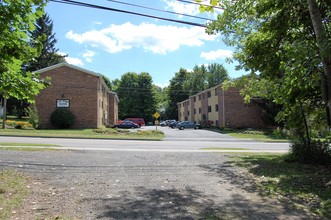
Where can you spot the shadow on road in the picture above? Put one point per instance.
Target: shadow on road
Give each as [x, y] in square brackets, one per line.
[172, 204]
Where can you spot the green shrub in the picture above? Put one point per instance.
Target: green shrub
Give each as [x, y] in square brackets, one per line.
[254, 132]
[279, 133]
[318, 152]
[33, 116]
[62, 118]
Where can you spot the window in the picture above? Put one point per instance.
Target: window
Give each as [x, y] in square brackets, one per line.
[216, 92]
[188, 112]
[194, 98]
[199, 110]
[195, 111]
[209, 94]
[209, 108]
[216, 108]
[200, 97]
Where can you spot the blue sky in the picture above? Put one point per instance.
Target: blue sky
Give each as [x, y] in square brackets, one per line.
[113, 43]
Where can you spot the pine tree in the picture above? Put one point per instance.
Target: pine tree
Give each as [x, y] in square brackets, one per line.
[44, 39]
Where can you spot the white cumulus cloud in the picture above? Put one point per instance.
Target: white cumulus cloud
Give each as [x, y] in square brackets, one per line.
[150, 37]
[74, 61]
[190, 9]
[88, 55]
[182, 8]
[216, 54]
[71, 60]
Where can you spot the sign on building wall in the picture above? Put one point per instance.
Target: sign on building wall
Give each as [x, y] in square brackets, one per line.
[62, 103]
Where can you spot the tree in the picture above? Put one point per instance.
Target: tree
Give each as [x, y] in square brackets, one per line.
[196, 80]
[176, 93]
[147, 96]
[137, 98]
[44, 40]
[16, 21]
[161, 100]
[204, 77]
[276, 39]
[216, 74]
[320, 26]
[107, 81]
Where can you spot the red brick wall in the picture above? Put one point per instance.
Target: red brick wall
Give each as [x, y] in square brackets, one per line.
[237, 113]
[113, 109]
[77, 86]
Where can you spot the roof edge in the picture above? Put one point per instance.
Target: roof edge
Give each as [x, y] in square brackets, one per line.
[67, 65]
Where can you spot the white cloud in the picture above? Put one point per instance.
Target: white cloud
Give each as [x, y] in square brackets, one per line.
[182, 8]
[190, 9]
[71, 60]
[162, 85]
[74, 61]
[88, 55]
[216, 54]
[150, 37]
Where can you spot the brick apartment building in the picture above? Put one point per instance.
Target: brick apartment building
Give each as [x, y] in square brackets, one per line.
[82, 91]
[220, 108]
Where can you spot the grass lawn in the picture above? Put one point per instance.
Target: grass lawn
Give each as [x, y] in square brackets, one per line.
[86, 133]
[224, 148]
[13, 189]
[27, 146]
[302, 185]
[107, 133]
[255, 135]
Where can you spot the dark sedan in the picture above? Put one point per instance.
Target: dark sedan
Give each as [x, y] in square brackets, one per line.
[127, 124]
[174, 124]
[188, 124]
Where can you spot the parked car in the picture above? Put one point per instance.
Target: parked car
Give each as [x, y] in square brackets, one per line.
[174, 124]
[127, 124]
[163, 123]
[168, 122]
[139, 121]
[188, 124]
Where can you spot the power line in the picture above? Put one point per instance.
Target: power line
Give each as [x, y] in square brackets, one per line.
[155, 9]
[70, 2]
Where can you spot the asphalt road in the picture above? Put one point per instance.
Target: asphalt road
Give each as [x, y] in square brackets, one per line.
[175, 140]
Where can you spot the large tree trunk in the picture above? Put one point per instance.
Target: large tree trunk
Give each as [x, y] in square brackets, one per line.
[325, 51]
[4, 113]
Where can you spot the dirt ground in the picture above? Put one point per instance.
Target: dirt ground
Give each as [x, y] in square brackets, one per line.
[139, 185]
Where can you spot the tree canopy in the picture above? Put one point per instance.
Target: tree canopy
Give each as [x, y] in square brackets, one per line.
[43, 39]
[277, 41]
[176, 93]
[137, 96]
[16, 22]
[204, 77]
